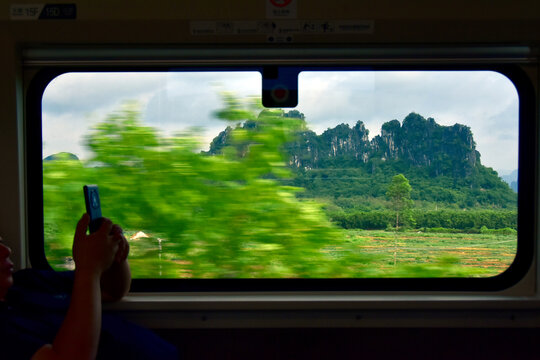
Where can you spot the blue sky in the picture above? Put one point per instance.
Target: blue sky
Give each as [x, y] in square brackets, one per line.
[485, 101]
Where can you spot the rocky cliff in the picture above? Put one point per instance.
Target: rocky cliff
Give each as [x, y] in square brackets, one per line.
[419, 142]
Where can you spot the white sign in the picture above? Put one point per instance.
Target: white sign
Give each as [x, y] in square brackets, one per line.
[281, 9]
[281, 29]
[25, 11]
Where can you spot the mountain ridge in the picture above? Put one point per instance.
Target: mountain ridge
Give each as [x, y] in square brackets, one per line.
[445, 150]
[441, 162]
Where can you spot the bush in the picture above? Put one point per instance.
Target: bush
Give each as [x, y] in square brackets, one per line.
[503, 231]
[466, 221]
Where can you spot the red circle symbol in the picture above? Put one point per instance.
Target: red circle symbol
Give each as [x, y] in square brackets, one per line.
[280, 3]
[280, 93]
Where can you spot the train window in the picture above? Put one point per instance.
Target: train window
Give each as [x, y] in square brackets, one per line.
[381, 178]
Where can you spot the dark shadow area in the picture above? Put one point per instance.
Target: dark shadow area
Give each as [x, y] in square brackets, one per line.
[403, 343]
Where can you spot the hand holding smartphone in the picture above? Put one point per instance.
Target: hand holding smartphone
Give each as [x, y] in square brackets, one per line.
[93, 206]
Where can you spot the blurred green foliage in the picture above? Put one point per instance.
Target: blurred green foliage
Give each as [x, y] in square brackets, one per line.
[223, 216]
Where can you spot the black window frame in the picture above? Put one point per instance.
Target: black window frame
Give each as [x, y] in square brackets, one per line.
[527, 184]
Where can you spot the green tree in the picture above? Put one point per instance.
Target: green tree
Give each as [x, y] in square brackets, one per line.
[399, 194]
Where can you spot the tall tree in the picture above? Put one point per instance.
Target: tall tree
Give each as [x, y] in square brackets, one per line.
[399, 193]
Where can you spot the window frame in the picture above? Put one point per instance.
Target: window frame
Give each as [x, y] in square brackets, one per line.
[527, 184]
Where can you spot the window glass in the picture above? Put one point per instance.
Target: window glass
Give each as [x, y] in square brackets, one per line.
[373, 174]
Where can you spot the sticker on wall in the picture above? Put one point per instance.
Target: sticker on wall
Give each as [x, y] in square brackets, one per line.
[354, 27]
[43, 11]
[281, 9]
[203, 27]
[281, 30]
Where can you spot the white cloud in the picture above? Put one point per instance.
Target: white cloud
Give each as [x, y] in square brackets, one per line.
[90, 92]
[189, 99]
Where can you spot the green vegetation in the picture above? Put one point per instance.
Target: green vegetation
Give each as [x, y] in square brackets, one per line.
[427, 254]
[399, 193]
[258, 205]
[482, 189]
[470, 221]
[223, 216]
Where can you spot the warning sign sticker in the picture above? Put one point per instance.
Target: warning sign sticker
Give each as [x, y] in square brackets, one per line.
[281, 28]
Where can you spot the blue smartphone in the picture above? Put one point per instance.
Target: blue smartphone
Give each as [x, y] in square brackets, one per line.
[93, 206]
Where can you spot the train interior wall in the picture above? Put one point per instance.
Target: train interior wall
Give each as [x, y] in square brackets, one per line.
[167, 24]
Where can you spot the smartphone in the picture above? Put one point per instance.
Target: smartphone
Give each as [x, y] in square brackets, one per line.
[93, 206]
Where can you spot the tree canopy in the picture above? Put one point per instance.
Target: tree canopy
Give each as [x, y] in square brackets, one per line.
[399, 194]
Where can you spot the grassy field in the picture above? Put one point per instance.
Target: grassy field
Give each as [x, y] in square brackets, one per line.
[435, 254]
[366, 253]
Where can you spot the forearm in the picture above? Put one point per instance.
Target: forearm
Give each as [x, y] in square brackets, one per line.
[78, 337]
[116, 281]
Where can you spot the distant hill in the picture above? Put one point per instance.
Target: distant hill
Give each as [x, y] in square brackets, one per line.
[512, 180]
[61, 156]
[441, 162]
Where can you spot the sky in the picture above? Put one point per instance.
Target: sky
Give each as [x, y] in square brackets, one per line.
[485, 101]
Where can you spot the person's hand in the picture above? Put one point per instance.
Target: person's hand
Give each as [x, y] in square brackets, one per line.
[96, 252]
[123, 245]
[116, 280]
